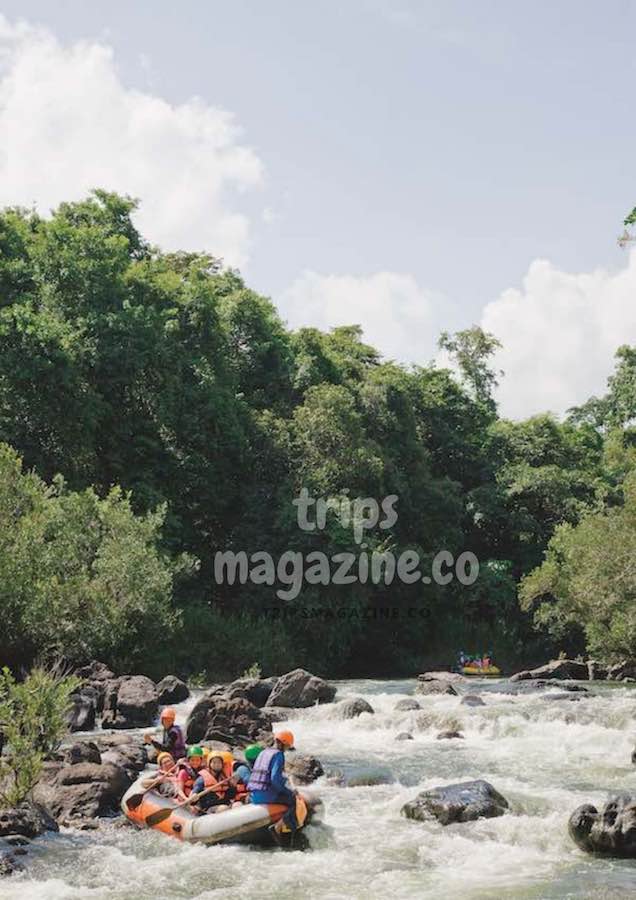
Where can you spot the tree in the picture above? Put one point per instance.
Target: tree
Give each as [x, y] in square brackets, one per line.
[472, 349]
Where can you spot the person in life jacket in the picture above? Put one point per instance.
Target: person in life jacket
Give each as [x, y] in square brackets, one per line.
[172, 740]
[167, 787]
[268, 783]
[243, 771]
[189, 772]
[216, 772]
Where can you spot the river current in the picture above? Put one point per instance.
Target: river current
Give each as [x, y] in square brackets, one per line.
[546, 756]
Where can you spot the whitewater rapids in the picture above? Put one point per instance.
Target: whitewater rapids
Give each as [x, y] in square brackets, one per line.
[545, 756]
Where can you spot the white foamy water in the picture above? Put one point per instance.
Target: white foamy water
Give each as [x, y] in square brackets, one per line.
[546, 757]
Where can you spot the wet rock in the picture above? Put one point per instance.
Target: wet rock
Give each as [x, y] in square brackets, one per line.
[369, 777]
[83, 791]
[351, 709]
[28, 819]
[596, 671]
[215, 718]
[95, 671]
[462, 802]
[557, 668]
[404, 736]
[131, 702]
[562, 695]
[622, 671]
[303, 769]
[449, 735]
[83, 712]
[82, 751]
[612, 831]
[406, 705]
[434, 687]
[256, 690]
[452, 677]
[532, 687]
[132, 756]
[9, 865]
[172, 690]
[471, 700]
[300, 689]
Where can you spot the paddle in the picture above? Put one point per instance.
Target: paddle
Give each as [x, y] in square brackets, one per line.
[161, 815]
[135, 800]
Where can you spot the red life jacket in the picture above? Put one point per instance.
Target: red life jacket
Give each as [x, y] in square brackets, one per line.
[209, 780]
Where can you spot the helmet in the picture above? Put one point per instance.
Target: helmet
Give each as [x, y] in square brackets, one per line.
[163, 756]
[227, 757]
[195, 751]
[168, 715]
[250, 753]
[286, 738]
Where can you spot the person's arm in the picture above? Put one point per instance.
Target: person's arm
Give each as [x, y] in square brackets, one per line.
[277, 777]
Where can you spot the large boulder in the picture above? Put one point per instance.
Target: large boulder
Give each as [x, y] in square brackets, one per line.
[557, 668]
[351, 709]
[256, 690]
[95, 671]
[612, 831]
[621, 671]
[215, 718]
[82, 714]
[131, 702]
[125, 751]
[300, 689]
[82, 791]
[28, 819]
[434, 687]
[462, 802]
[82, 751]
[303, 769]
[453, 677]
[172, 690]
[407, 704]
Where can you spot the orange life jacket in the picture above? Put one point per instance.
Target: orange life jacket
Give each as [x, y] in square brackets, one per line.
[209, 780]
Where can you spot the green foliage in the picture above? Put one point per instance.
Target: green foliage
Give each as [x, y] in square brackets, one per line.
[471, 349]
[33, 720]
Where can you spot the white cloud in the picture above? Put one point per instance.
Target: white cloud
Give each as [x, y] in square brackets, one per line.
[559, 334]
[394, 312]
[69, 124]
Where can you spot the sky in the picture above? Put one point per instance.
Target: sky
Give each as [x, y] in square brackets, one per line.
[408, 166]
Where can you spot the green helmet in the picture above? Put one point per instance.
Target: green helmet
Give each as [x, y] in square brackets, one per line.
[250, 753]
[195, 751]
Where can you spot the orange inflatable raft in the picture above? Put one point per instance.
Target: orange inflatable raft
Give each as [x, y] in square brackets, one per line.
[247, 823]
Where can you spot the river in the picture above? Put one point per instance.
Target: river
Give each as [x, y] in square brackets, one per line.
[545, 756]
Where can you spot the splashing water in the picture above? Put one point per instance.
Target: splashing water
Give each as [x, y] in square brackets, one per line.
[546, 756]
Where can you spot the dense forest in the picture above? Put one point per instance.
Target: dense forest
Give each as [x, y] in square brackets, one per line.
[155, 410]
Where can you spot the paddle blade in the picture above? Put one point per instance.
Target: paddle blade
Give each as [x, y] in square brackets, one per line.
[135, 800]
[156, 818]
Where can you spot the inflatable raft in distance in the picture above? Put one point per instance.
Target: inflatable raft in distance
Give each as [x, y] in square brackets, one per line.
[489, 672]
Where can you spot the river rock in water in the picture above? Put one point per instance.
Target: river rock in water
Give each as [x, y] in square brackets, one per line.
[556, 668]
[302, 768]
[256, 690]
[471, 700]
[28, 819]
[172, 690]
[404, 736]
[462, 802]
[435, 687]
[407, 704]
[82, 751]
[612, 831]
[453, 677]
[215, 718]
[449, 735]
[131, 702]
[369, 777]
[82, 714]
[300, 689]
[82, 791]
[351, 709]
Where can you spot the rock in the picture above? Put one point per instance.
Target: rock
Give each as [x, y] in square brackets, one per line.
[28, 819]
[215, 718]
[621, 671]
[9, 865]
[83, 791]
[562, 695]
[351, 709]
[256, 690]
[83, 712]
[300, 689]
[302, 768]
[596, 671]
[434, 687]
[369, 777]
[463, 802]
[471, 700]
[172, 690]
[449, 735]
[556, 668]
[612, 831]
[404, 736]
[95, 671]
[453, 677]
[406, 705]
[131, 757]
[531, 687]
[82, 751]
[133, 703]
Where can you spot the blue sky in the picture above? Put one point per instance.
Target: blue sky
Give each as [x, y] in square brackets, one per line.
[405, 163]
